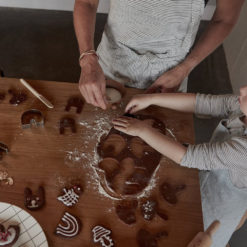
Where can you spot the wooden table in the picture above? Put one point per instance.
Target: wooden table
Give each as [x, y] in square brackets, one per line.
[44, 157]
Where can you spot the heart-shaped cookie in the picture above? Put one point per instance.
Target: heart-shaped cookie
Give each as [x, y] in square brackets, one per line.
[9, 237]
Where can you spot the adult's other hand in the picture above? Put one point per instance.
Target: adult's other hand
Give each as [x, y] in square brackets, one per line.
[170, 80]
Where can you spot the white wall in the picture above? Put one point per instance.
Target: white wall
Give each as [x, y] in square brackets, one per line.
[236, 52]
[50, 4]
[68, 5]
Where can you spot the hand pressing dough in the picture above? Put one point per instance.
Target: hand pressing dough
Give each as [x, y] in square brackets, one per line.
[113, 95]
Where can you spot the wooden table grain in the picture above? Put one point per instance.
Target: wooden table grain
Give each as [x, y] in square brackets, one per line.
[42, 156]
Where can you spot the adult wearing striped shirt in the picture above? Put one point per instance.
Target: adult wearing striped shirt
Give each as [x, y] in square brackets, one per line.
[146, 44]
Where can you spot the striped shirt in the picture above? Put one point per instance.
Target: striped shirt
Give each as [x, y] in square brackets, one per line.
[144, 38]
[230, 151]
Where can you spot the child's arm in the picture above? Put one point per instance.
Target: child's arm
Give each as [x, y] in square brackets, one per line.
[217, 105]
[212, 105]
[163, 144]
[230, 154]
[184, 102]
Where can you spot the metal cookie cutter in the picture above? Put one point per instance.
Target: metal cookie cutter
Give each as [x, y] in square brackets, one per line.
[76, 102]
[32, 118]
[67, 122]
[3, 149]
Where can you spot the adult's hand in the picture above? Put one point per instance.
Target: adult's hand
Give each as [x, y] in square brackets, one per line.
[170, 80]
[92, 82]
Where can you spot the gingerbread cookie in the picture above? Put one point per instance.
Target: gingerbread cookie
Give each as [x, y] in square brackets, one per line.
[102, 235]
[70, 196]
[9, 237]
[169, 192]
[150, 208]
[67, 122]
[146, 239]
[34, 201]
[76, 102]
[126, 211]
[17, 97]
[2, 96]
[70, 226]
[3, 150]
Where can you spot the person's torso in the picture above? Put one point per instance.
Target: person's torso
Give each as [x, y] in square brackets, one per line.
[149, 24]
[227, 128]
[142, 39]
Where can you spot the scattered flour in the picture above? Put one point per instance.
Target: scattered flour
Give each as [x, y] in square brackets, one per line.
[94, 127]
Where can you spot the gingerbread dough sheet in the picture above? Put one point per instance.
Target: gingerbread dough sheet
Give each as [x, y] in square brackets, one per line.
[43, 156]
[128, 163]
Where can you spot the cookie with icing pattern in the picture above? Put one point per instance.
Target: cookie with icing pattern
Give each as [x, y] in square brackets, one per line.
[69, 227]
[9, 237]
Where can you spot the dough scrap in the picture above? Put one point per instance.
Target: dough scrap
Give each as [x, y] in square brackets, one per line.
[113, 95]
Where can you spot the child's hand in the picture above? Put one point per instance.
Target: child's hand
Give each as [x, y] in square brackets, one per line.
[131, 126]
[139, 102]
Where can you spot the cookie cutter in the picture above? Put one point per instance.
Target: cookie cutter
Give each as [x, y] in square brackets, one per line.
[185, 144]
[76, 102]
[31, 118]
[67, 122]
[3, 150]
[17, 97]
[127, 114]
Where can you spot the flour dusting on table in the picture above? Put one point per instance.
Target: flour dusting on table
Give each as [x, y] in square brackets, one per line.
[95, 126]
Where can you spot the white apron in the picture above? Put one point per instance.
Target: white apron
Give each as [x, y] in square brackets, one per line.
[143, 39]
[221, 199]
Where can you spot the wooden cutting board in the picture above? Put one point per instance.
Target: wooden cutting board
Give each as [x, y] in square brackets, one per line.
[42, 156]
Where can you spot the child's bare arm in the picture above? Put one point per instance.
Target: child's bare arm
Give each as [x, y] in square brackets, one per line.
[163, 144]
[184, 102]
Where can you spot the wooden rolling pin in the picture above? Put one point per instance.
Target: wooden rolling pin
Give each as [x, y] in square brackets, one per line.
[36, 94]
